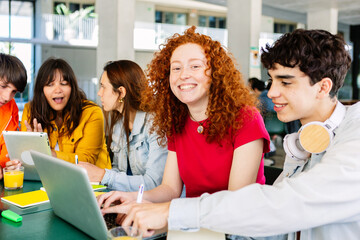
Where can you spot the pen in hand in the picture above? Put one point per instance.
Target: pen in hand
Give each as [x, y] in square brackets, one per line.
[76, 159]
[140, 193]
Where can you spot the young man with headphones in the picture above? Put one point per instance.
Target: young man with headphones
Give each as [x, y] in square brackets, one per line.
[318, 194]
[13, 78]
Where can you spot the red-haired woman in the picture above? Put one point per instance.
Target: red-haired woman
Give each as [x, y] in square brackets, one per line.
[216, 136]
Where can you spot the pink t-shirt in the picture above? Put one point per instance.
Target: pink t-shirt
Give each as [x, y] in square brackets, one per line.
[205, 167]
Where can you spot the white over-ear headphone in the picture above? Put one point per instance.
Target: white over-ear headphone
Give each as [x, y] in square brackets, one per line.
[313, 137]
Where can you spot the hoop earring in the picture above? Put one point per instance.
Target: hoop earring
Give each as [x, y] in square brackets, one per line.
[121, 100]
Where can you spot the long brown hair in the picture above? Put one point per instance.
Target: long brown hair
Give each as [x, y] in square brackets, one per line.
[41, 109]
[227, 94]
[127, 74]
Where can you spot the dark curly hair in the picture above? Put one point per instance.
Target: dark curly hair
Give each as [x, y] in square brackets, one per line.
[317, 53]
[227, 93]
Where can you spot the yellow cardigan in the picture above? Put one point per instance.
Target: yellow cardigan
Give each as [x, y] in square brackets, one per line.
[87, 141]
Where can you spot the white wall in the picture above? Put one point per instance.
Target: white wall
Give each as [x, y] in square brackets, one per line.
[143, 58]
[145, 12]
[267, 24]
[83, 62]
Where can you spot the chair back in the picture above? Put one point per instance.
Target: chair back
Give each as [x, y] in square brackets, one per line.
[273, 125]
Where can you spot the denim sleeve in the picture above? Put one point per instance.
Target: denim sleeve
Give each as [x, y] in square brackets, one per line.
[154, 169]
[109, 174]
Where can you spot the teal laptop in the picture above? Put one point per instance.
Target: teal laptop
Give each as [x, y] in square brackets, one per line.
[71, 195]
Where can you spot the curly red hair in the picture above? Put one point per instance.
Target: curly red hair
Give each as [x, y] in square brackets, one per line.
[227, 94]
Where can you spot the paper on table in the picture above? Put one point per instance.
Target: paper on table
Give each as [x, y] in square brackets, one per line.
[96, 187]
[98, 193]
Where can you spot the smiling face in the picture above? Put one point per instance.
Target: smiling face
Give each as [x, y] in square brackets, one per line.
[293, 96]
[57, 92]
[189, 80]
[108, 97]
[7, 92]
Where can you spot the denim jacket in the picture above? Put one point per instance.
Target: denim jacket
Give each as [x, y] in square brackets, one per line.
[147, 159]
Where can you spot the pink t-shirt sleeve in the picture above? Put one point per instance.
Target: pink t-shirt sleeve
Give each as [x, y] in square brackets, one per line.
[253, 128]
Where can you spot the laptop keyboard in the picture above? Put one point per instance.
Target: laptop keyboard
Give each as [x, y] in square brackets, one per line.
[110, 220]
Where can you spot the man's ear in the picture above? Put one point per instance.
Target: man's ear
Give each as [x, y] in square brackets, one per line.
[325, 86]
[122, 92]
